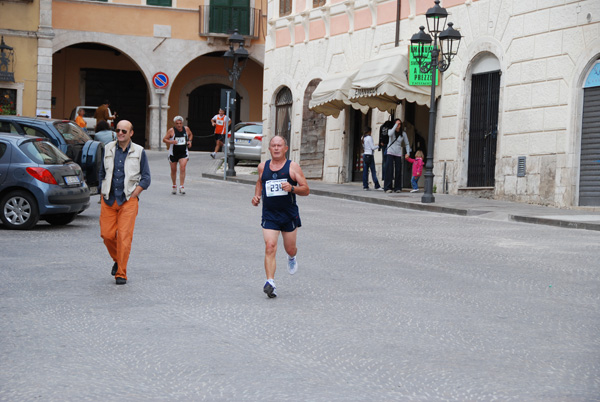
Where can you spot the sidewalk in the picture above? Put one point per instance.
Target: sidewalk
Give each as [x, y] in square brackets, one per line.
[444, 203]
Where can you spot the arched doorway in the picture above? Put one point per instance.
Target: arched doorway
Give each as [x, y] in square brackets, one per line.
[283, 118]
[589, 165]
[83, 74]
[204, 103]
[483, 124]
[312, 148]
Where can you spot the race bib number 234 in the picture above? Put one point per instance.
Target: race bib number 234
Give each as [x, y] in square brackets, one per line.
[273, 187]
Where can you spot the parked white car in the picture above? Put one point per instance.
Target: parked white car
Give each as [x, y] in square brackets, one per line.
[89, 118]
[248, 140]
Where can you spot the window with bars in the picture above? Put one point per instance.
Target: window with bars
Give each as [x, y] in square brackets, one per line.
[285, 7]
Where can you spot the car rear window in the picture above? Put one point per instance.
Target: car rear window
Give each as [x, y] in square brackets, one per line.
[71, 132]
[6, 127]
[43, 152]
[250, 128]
[34, 132]
[89, 111]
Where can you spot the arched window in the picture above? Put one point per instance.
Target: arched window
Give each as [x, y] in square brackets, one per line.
[483, 124]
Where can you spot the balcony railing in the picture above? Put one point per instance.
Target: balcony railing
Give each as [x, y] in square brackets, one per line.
[222, 20]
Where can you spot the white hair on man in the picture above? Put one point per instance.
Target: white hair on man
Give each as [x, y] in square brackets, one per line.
[178, 118]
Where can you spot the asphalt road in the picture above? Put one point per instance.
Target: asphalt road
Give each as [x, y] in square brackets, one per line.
[388, 304]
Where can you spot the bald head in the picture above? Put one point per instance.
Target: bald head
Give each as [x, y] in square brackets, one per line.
[124, 133]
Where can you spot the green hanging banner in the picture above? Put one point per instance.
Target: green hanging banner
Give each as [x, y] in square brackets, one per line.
[415, 76]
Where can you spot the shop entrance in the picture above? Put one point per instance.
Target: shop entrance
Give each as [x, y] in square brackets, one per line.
[358, 123]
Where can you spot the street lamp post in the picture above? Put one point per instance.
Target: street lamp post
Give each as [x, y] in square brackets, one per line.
[436, 22]
[235, 61]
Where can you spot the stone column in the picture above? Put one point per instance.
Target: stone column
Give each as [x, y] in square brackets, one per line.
[157, 131]
[45, 35]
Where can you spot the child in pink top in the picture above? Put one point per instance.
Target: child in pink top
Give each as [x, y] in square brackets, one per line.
[417, 170]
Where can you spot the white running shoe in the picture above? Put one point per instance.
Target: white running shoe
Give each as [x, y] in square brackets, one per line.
[212, 155]
[269, 289]
[414, 191]
[174, 190]
[292, 265]
[181, 190]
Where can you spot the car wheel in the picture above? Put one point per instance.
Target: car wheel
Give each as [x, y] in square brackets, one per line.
[19, 210]
[60, 219]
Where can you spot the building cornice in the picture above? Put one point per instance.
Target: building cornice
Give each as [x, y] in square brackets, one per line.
[43, 33]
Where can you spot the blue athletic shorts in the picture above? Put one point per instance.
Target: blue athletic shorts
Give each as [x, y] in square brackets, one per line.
[289, 226]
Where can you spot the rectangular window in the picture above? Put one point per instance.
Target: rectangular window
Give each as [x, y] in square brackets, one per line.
[285, 7]
[319, 3]
[164, 3]
[8, 101]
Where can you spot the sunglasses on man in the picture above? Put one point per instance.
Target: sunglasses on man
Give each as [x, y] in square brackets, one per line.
[122, 131]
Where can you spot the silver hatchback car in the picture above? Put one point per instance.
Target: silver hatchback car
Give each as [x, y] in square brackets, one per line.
[248, 140]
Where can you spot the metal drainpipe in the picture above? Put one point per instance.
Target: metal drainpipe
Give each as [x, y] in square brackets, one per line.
[398, 8]
[444, 184]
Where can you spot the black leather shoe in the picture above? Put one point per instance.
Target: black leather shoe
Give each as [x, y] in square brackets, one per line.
[114, 269]
[120, 281]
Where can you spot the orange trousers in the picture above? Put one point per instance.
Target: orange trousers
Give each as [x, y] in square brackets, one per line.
[116, 228]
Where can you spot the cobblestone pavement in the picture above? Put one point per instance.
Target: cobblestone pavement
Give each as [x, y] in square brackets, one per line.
[388, 304]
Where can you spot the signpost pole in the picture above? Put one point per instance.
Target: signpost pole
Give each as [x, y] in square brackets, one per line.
[225, 143]
[159, 120]
[160, 81]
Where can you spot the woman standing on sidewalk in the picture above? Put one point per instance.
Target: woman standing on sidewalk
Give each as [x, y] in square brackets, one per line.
[393, 170]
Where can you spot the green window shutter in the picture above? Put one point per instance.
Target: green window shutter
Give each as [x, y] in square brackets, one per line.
[227, 15]
[164, 3]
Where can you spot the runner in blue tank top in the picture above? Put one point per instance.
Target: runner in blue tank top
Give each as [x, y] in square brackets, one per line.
[279, 181]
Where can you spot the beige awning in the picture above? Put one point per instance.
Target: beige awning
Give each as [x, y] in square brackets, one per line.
[382, 82]
[331, 95]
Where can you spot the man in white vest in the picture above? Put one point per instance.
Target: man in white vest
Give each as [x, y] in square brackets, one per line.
[124, 175]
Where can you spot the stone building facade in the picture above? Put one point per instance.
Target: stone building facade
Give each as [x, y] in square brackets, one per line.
[25, 26]
[90, 51]
[517, 112]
